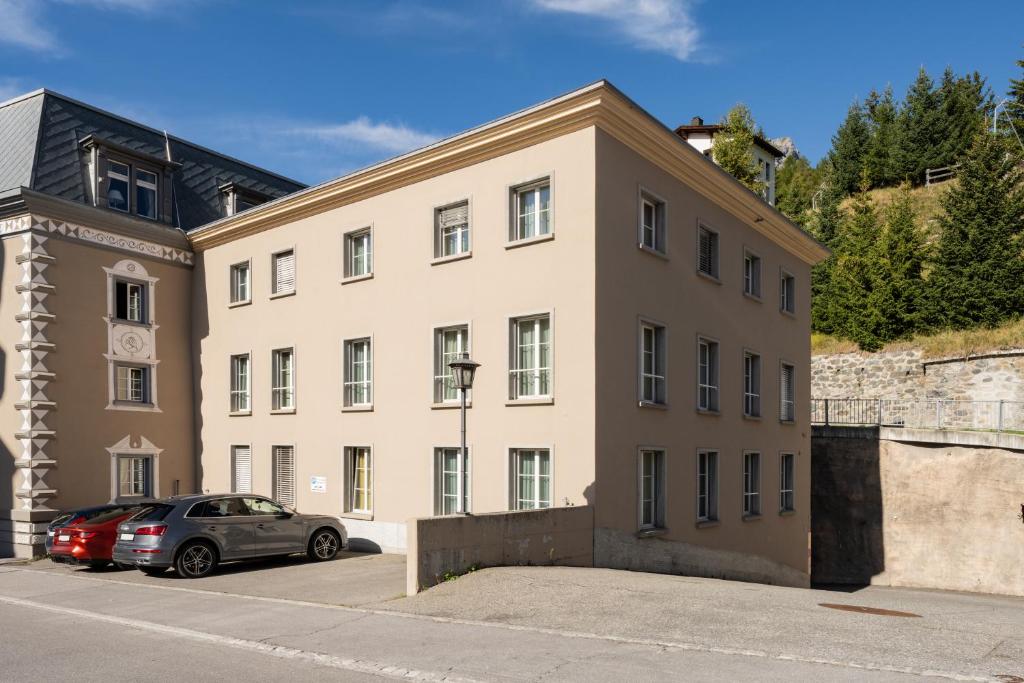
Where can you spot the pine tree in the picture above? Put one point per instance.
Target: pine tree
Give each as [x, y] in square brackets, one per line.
[795, 185]
[978, 275]
[919, 129]
[854, 274]
[879, 157]
[848, 146]
[963, 103]
[898, 256]
[734, 147]
[1015, 107]
[827, 309]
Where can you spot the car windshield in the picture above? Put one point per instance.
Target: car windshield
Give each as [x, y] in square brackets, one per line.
[152, 513]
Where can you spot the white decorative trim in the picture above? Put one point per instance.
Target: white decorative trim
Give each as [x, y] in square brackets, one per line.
[139, 446]
[102, 237]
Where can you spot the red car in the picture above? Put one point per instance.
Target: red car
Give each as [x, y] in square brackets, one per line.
[90, 543]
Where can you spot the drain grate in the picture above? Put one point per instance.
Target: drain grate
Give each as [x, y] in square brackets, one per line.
[860, 609]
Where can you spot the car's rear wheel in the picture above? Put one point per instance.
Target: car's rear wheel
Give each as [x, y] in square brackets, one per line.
[196, 560]
[324, 545]
[153, 571]
[98, 564]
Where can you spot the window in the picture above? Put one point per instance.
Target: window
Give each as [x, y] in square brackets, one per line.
[284, 273]
[449, 344]
[358, 379]
[787, 463]
[359, 465]
[118, 179]
[241, 469]
[145, 193]
[282, 391]
[531, 470]
[652, 489]
[751, 484]
[240, 290]
[451, 485]
[652, 223]
[751, 384]
[222, 507]
[707, 485]
[451, 230]
[707, 375]
[240, 384]
[531, 210]
[261, 507]
[707, 251]
[134, 476]
[787, 410]
[752, 275]
[530, 375]
[787, 293]
[284, 474]
[358, 253]
[130, 301]
[652, 363]
[132, 384]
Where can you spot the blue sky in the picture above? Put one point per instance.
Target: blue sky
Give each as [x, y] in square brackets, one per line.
[315, 89]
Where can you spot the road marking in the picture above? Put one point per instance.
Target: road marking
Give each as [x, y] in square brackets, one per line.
[625, 640]
[346, 664]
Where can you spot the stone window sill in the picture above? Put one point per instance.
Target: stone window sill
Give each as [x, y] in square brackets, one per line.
[651, 533]
[357, 409]
[450, 258]
[281, 295]
[707, 523]
[365, 516]
[653, 405]
[526, 241]
[356, 278]
[652, 251]
[530, 402]
[238, 304]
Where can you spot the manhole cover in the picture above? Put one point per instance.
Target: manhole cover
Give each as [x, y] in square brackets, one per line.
[860, 609]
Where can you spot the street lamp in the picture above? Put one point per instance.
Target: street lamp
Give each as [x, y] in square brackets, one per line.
[463, 371]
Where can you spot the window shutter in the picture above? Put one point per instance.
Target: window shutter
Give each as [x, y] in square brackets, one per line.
[241, 467]
[284, 475]
[786, 385]
[453, 215]
[707, 252]
[284, 272]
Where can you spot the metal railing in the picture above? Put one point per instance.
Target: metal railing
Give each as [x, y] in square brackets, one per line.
[991, 416]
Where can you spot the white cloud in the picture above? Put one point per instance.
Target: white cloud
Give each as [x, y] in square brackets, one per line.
[21, 26]
[136, 5]
[661, 25]
[363, 132]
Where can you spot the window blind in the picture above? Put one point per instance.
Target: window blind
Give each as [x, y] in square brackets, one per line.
[284, 475]
[284, 272]
[707, 255]
[241, 469]
[786, 390]
[453, 215]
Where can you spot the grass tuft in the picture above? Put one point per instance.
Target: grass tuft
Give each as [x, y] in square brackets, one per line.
[939, 344]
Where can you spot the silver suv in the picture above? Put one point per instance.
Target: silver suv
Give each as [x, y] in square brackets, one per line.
[195, 533]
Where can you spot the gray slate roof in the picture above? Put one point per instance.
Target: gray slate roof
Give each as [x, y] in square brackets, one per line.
[39, 149]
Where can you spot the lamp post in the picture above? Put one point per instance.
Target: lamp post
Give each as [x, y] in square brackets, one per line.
[463, 371]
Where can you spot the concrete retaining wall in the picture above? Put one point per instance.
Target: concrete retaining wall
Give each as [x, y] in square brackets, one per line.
[452, 545]
[897, 513]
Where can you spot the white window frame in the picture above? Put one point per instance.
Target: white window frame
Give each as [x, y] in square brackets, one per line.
[651, 512]
[712, 387]
[465, 230]
[787, 292]
[441, 372]
[144, 371]
[751, 383]
[233, 454]
[141, 315]
[753, 268]
[707, 484]
[350, 385]
[147, 484]
[349, 271]
[516, 194]
[657, 243]
[659, 365]
[275, 484]
[716, 251]
[787, 504]
[752, 483]
[153, 187]
[126, 177]
[236, 392]
[516, 455]
[351, 479]
[234, 286]
[463, 476]
[275, 290]
[787, 404]
[279, 390]
[514, 371]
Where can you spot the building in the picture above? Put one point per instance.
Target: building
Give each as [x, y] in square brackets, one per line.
[96, 391]
[642, 320]
[766, 155]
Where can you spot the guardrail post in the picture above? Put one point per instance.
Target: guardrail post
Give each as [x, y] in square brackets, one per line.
[938, 413]
[826, 412]
[879, 412]
[999, 418]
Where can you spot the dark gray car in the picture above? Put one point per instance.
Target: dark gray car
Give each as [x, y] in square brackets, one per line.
[195, 533]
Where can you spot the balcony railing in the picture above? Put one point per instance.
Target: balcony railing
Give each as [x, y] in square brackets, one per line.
[990, 416]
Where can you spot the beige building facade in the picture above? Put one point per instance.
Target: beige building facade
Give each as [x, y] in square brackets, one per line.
[642, 322]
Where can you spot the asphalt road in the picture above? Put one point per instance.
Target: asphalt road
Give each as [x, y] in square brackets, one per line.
[98, 627]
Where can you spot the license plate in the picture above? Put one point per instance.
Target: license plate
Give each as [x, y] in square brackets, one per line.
[50, 534]
[64, 537]
[127, 537]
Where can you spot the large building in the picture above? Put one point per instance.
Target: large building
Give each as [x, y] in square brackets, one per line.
[642, 321]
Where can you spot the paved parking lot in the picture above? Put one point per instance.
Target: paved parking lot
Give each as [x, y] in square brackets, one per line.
[353, 579]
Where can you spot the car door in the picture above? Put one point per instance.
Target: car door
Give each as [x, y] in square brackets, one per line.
[276, 530]
[228, 521]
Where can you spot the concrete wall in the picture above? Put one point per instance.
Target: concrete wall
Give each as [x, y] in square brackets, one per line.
[454, 544]
[899, 513]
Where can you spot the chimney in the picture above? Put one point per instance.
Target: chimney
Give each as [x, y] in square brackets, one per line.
[696, 121]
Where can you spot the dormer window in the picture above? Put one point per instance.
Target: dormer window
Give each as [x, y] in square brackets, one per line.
[145, 194]
[120, 178]
[236, 199]
[128, 180]
[118, 181]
